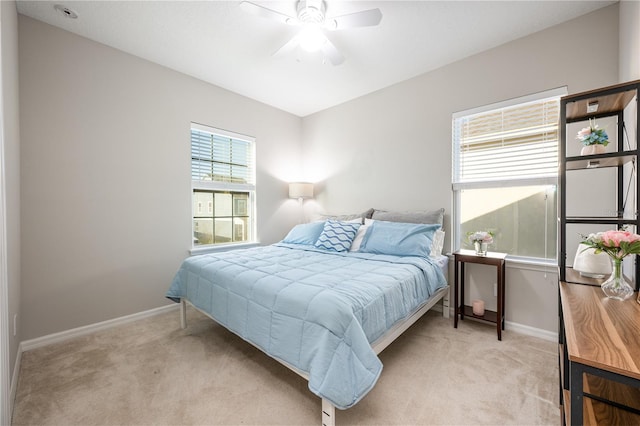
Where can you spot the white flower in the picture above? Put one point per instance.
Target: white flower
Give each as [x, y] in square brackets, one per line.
[480, 236]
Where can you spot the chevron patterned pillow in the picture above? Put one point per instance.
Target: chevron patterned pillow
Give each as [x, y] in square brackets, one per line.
[337, 235]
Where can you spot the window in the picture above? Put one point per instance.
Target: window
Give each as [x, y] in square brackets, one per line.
[223, 185]
[505, 170]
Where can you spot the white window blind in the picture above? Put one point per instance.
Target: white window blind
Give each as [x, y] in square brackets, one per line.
[504, 174]
[219, 156]
[507, 144]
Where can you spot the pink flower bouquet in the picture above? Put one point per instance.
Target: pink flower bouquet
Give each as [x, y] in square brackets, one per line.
[617, 244]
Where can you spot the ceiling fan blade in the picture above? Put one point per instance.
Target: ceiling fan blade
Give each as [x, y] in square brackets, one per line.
[288, 47]
[264, 12]
[366, 18]
[331, 52]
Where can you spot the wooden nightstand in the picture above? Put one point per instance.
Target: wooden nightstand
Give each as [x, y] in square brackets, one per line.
[493, 259]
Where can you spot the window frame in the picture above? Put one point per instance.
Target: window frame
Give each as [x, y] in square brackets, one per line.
[457, 186]
[212, 186]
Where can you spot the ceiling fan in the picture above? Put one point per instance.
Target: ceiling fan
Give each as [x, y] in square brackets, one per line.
[311, 16]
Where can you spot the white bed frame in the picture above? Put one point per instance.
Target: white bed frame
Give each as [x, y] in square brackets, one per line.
[328, 409]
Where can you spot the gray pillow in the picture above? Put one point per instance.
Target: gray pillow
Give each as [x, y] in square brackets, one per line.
[346, 217]
[432, 216]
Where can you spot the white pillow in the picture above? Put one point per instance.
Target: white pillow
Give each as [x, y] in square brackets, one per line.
[437, 243]
[355, 245]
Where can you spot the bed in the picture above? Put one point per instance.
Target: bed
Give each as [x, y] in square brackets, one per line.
[325, 300]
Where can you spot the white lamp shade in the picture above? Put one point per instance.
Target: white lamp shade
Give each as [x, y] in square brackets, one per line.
[300, 190]
[590, 264]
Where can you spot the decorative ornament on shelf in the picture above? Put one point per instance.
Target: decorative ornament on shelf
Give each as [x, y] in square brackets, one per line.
[593, 138]
[617, 244]
[480, 241]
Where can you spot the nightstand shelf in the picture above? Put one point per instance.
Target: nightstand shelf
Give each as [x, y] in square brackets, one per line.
[489, 316]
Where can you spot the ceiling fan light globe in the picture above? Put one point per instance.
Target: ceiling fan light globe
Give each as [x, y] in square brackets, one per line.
[311, 39]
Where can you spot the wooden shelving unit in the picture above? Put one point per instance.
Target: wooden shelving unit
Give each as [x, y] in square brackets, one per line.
[610, 159]
[612, 102]
[599, 338]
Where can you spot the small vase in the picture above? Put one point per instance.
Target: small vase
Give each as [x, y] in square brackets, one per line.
[480, 247]
[616, 286]
[594, 149]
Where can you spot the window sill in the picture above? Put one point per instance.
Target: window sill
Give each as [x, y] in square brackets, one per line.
[226, 247]
[534, 264]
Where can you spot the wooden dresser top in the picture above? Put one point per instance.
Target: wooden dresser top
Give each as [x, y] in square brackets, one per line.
[601, 332]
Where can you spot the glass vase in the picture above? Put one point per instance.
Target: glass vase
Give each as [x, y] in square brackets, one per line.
[480, 247]
[616, 286]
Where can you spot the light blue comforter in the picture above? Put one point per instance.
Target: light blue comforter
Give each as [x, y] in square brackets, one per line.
[316, 310]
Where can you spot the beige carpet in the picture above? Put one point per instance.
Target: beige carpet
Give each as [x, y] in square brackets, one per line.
[151, 372]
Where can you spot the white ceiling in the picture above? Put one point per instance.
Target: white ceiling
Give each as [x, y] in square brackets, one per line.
[218, 42]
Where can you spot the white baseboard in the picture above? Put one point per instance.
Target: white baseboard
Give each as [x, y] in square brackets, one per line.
[531, 331]
[92, 328]
[526, 330]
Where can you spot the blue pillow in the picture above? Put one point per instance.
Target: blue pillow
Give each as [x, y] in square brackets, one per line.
[337, 236]
[399, 239]
[306, 233]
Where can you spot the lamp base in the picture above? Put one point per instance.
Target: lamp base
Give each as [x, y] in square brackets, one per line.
[591, 265]
[589, 275]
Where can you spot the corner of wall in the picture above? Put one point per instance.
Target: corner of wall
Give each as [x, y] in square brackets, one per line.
[10, 208]
[629, 44]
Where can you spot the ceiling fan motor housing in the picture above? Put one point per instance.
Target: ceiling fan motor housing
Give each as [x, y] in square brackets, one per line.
[311, 11]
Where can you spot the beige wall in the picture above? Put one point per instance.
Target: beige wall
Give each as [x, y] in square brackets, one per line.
[106, 201]
[105, 141]
[629, 40]
[392, 149]
[11, 146]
